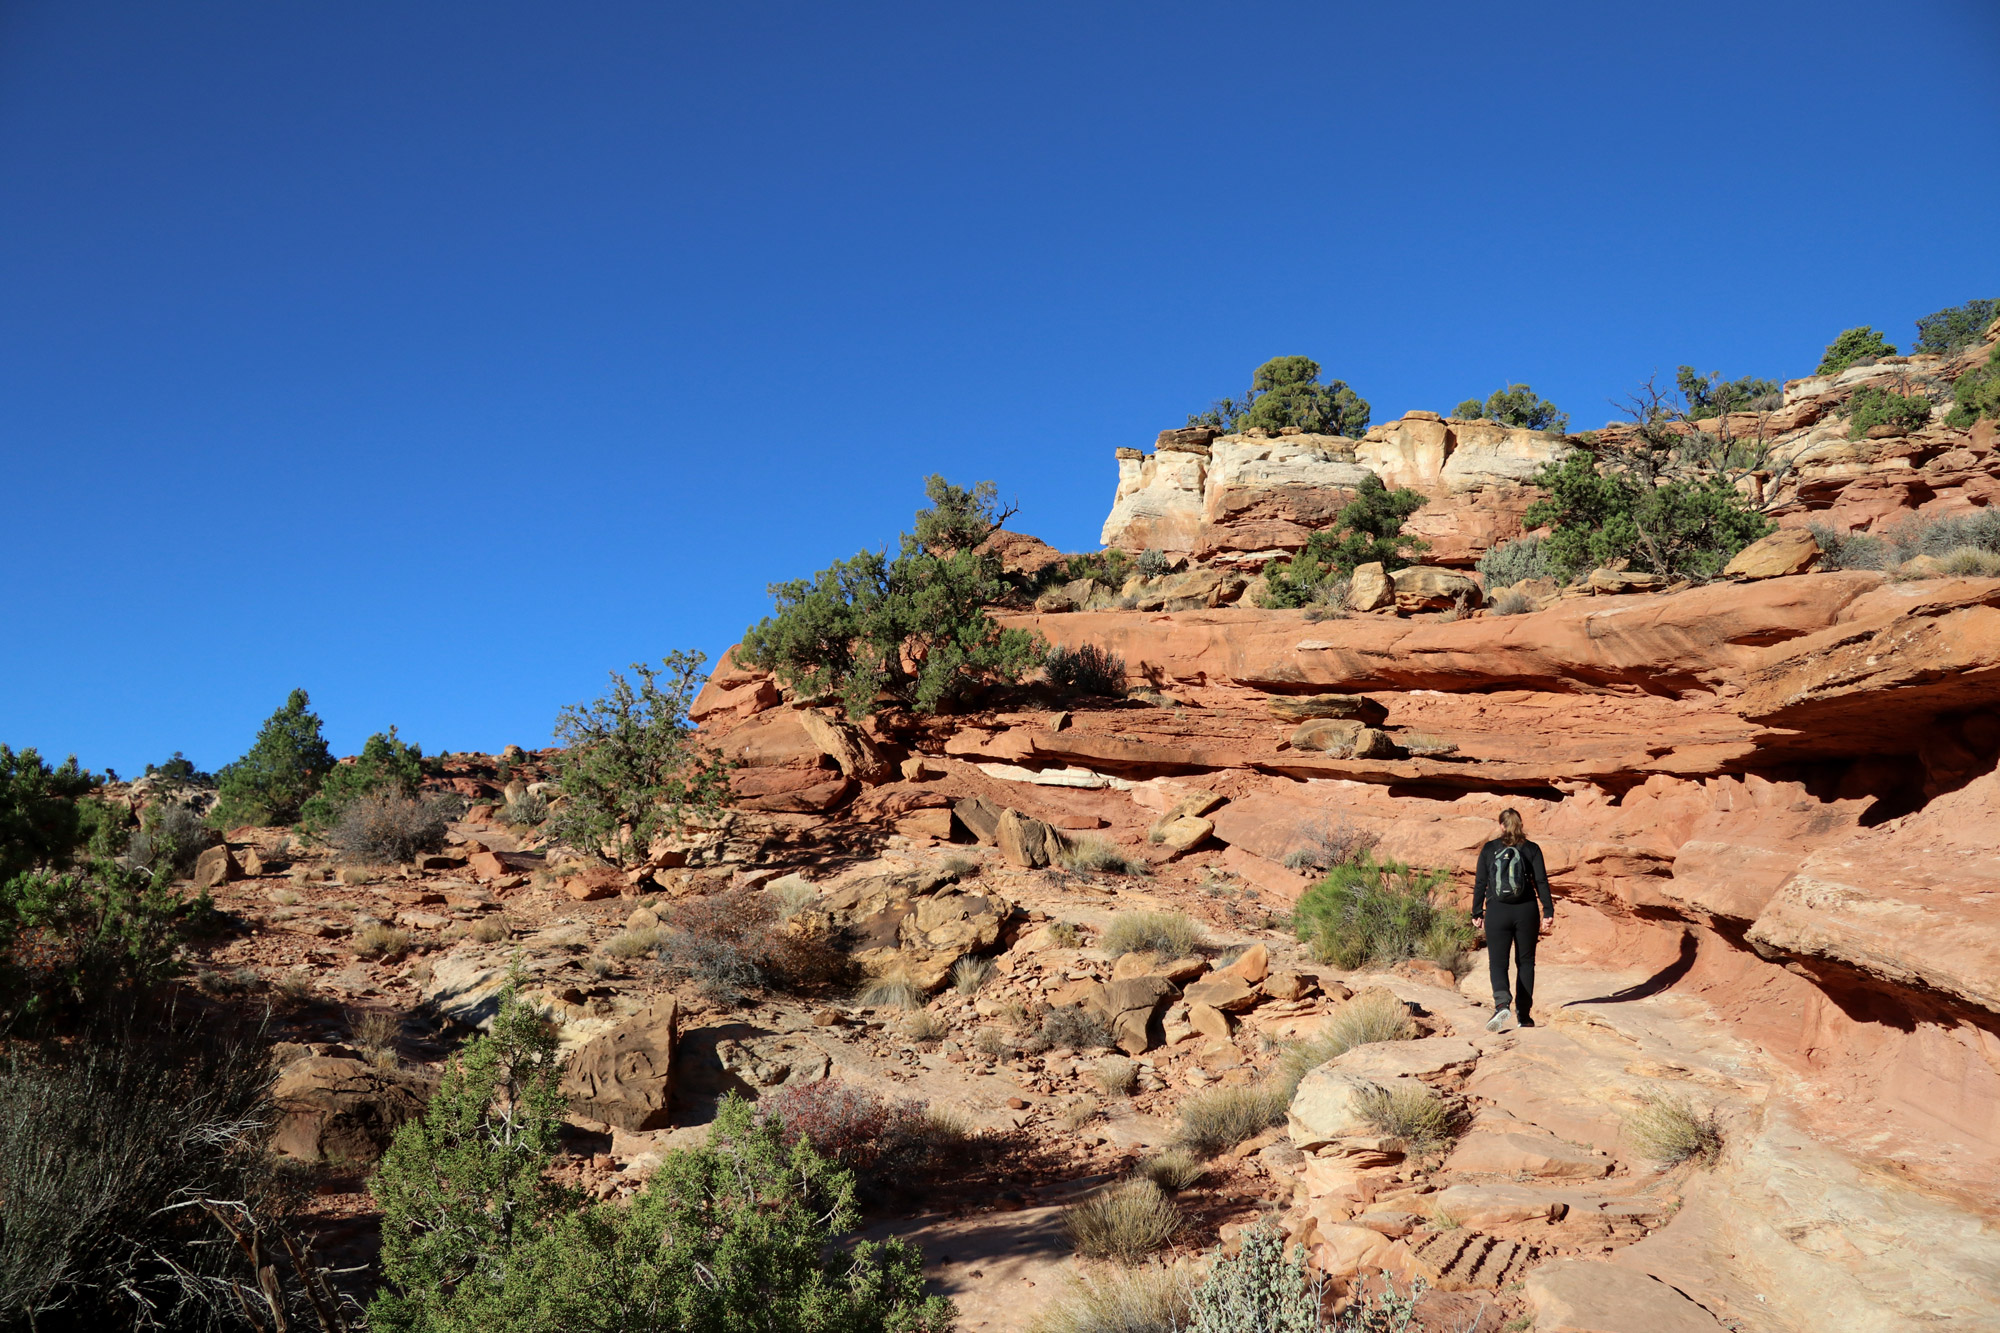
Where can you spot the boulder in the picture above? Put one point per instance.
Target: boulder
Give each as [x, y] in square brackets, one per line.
[1329, 1105]
[1223, 991]
[1182, 835]
[980, 819]
[1251, 965]
[216, 867]
[1433, 588]
[916, 924]
[1616, 582]
[342, 1110]
[625, 1076]
[1786, 551]
[1132, 1006]
[854, 754]
[1369, 588]
[1345, 1249]
[1349, 707]
[1026, 841]
[1582, 1296]
[1210, 1022]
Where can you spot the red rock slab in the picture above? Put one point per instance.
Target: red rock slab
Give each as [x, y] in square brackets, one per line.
[1904, 656]
[1660, 644]
[1915, 903]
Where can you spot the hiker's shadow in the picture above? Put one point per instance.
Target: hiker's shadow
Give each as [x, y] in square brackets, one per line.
[1661, 980]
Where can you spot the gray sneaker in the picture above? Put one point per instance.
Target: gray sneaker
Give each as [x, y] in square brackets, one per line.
[1499, 1019]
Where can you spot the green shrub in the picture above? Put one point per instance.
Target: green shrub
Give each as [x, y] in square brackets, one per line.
[1879, 407]
[180, 771]
[1976, 393]
[41, 819]
[632, 768]
[1853, 345]
[1151, 564]
[1174, 1170]
[1842, 549]
[1368, 529]
[1939, 537]
[385, 766]
[739, 1234]
[1943, 332]
[1285, 391]
[1086, 669]
[272, 783]
[913, 629]
[1512, 562]
[1603, 511]
[1514, 405]
[68, 935]
[1712, 396]
[1378, 912]
[1259, 1288]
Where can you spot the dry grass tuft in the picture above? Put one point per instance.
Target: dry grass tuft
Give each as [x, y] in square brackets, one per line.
[1168, 934]
[1217, 1119]
[991, 1044]
[1371, 1016]
[490, 929]
[294, 986]
[792, 897]
[923, 1025]
[1077, 1028]
[1411, 1112]
[969, 974]
[1126, 1222]
[1065, 934]
[1117, 1075]
[629, 944]
[1173, 1170]
[381, 941]
[1151, 1299]
[1097, 855]
[1078, 1114]
[373, 1029]
[892, 990]
[1669, 1129]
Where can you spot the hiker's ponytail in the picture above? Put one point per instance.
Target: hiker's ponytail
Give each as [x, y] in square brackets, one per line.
[1511, 831]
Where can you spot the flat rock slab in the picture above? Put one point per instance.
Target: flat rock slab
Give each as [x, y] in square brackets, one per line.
[1384, 1060]
[1525, 1150]
[1579, 1296]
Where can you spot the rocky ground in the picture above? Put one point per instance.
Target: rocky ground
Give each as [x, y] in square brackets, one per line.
[1769, 805]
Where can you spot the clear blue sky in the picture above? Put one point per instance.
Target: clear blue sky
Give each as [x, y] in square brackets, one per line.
[437, 357]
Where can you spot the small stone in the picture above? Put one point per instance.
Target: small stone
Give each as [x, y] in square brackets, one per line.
[1016, 1104]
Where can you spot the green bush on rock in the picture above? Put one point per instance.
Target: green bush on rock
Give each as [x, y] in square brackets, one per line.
[1285, 391]
[1514, 405]
[913, 630]
[1370, 528]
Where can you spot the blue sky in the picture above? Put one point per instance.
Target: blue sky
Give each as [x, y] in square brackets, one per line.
[439, 357]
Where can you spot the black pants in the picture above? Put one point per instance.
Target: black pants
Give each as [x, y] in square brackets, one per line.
[1513, 925]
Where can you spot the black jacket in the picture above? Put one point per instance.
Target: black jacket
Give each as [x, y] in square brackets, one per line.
[1538, 877]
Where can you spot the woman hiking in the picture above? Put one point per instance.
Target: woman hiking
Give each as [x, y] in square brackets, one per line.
[1510, 878]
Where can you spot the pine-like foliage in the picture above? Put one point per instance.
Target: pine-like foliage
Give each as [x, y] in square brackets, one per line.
[1369, 529]
[632, 767]
[386, 766]
[912, 630]
[271, 783]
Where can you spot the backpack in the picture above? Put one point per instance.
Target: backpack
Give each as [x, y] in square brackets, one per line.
[1510, 876]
